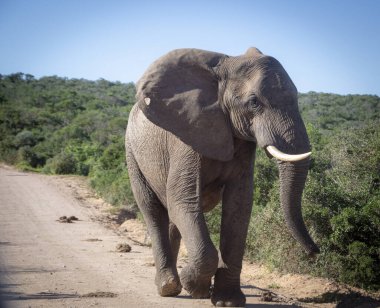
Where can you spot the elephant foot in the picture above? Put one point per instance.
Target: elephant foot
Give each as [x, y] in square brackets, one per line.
[168, 285]
[197, 286]
[227, 291]
[228, 297]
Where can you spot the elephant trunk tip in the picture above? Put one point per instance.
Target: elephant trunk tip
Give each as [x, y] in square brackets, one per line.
[312, 251]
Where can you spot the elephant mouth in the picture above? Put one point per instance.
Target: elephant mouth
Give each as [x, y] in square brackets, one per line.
[276, 153]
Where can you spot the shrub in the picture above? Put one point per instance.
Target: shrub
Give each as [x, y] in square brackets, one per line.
[62, 163]
[24, 138]
[213, 220]
[265, 175]
[28, 156]
[113, 185]
[113, 155]
[360, 267]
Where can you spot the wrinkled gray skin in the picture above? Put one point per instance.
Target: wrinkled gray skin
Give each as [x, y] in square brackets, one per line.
[191, 142]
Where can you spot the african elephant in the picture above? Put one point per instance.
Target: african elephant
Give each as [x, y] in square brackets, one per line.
[190, 143]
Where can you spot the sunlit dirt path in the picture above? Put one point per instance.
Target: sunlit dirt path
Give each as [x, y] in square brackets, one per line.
[45, 263]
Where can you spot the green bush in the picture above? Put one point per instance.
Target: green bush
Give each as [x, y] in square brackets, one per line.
[113, 185]
[265, 175]
[28, 156]
[9, 155]
[360, 267]
[113, 155]
[213, 220]
[62, 163]
[24, 138]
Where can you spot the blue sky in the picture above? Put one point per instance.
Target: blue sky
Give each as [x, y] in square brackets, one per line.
[326, 46]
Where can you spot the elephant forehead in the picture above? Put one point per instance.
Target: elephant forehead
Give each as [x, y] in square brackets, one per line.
[276, 86]
[264, 76]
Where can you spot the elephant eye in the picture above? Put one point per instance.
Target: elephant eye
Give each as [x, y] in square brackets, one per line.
[253, 100]
[253, 103]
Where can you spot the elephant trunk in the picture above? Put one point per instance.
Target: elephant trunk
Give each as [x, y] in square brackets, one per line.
[292, 182]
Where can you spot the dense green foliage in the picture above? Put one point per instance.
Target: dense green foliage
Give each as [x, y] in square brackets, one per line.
[68, 126]
[76, 126]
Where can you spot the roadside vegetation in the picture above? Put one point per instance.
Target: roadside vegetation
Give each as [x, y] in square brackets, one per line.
[68, 126]
[74, 126]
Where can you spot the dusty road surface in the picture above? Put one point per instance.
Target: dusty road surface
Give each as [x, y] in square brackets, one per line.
[45, 263]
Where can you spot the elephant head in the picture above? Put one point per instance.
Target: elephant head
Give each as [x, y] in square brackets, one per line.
[207, 99]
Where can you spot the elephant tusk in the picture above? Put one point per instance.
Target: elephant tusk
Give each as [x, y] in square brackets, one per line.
[276, 153]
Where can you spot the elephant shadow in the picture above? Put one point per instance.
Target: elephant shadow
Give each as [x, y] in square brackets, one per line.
[276, 303]
[349, 299]
[269, 298]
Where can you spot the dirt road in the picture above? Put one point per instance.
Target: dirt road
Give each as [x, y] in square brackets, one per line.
[45, 263]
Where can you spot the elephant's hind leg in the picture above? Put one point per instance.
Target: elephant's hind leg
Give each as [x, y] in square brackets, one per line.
[157, 220]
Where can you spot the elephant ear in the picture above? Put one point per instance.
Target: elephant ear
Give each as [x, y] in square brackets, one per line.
[179, 92]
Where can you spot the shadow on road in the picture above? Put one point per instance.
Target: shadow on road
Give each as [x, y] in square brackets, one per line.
[9, 295]
[344, 300]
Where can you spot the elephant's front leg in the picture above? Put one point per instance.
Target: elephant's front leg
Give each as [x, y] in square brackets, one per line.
[184, 207]
[236, 212]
